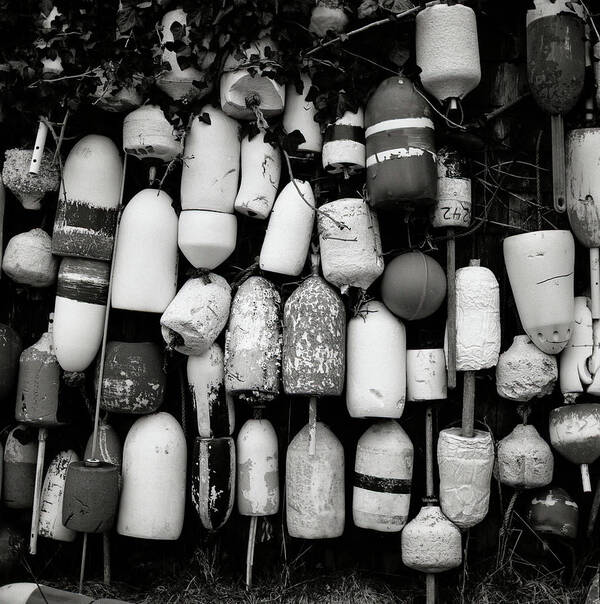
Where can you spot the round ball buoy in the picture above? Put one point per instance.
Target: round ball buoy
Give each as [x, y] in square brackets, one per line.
[288, 234]
[261, 170]
[314, 340]
[147, 134]
[344, 149]
[211, 170]
[197, 315]
[413, 286]
[18, 479]
[145, 263]
[401, 160]
[34, 593]
[246, 87]
[575, 434]
[109, 448]
[525, 460]
[257, 469]
[376, 357]
[349, 243]
[314, 485]
[382, 478]
[426, 375]
[10, 351]
[465, 466]
[448, 50]
[28, 259]
[206, 238]
[453, 204]
[79, 308]
[154, 479]
[430, 542]
[51, 506]
[134, 380]
[554, 512]
[253, 341]
[214, 408]
[524, 372]
[540, 267]
[328, 15]
[90, 190]
[213, 480]
[300, 115]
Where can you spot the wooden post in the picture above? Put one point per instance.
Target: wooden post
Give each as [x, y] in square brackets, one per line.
[451, 320]
[430, 582]
[37, 493]
[250, 552]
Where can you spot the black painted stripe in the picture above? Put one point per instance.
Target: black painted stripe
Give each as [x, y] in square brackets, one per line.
[397, 486]
[421, 138]
[344, 132]
[220, 451]
[83, 280]
[218, 414]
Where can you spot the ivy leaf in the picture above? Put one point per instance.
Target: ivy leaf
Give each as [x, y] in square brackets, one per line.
[205, 117]
[292, 140]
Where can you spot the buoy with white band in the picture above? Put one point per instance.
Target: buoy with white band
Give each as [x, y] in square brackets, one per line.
[344, 144]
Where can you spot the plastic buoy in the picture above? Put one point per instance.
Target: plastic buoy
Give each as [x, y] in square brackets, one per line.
[344, 144]
[20, 456]
[28, 259]
[10, 351]
[426, 375]
[554, 512]
[34, 593]
[300, 114]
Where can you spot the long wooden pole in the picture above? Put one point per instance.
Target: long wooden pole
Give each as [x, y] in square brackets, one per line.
[451, 312]
[430, 582]
[37, 493]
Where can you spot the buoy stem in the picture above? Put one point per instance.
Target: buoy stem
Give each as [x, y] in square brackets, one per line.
[83, 557]
[468, 409]
[38, 148]
[151, 175]
[451, 280]
[312, 425]
[558, 163]
[585, 478]
[429, 451]
[106, 557]
[37, 493]
[430, 588]
[250, 553]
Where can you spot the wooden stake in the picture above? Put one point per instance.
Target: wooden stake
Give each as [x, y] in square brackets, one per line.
[430, 588]
[559, 187]
[594, 364]
[106, 557]
[451, 281]
[250, 553]
[312, 425]
[468, 408]
[37, 493]
[38, 148]
[83, 557]
[429, 491]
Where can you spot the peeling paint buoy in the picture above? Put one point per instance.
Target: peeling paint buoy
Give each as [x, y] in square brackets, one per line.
[20, 456]
[28, 259]
[554, 512]
[344, 144]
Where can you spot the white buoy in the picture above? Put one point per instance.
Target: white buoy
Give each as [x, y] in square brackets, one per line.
[426, 375]
[28, 259]
[300, 114]
[344, 149]
[453, 204]
[574, 374]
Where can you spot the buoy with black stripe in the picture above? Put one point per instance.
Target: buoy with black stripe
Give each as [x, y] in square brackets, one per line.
[344, 144]
[34, 593]
[401, 159]
[20, 456]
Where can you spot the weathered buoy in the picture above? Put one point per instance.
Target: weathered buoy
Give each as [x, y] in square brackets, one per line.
[10, 351]
[328, 15]
[261, 170]
[453, 204]
[540, 267]
[253, 341]
[349, 243]
[154, 479]
[213, 480]
[257, 469]
[79, 309]
[28, 259]
[344, 150]
[109, 446]
[300, 114]
[145, 262]
[525, 460]
[210, 173]
[88, 199]
[426, 375]
[376, 357]
[401, 161]
[314, 485]
[18, 479]
[34, 593]
[287, 239]
[554, 512]
[382, 478]
[524, 372]
[198, 313]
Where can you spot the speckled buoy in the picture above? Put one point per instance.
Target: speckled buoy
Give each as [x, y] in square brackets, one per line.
[344, 149]
[28, 259]
[426, 375]
[20, 456]
[10, 351]
[554, 512]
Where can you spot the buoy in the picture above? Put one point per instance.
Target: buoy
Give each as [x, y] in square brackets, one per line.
[540, 267]
[206, 238]
[447, 51]
[10, 351]
[344, 149]
[349, 243]
[554, 512]
[213, 480]
[401, 160]
[288, 234]
[328, 16]
[261, 170]
[198, 313]
[154, 479]
[246, 88]
[376, 357]
[214, 408]
[525, 372]
[51, 506]
[145, 262]
[300, 115]
[34, 593]
[382, 478]
[314, 485]
[426, 375]
[453, 203]
[253, 341]
[211, 170]
[86, 215]
[525, 460]
[79, 310]
[110, 449]
[28, 259]
[20, 455]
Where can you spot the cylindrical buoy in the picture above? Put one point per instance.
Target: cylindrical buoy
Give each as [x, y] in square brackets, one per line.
[426, 375]
[349, 243]
[145, 263]
[314, 485]
[20, 456]
[10, 351]
[453, 204]
[382, 478]
[34, 593]
[109, 448]
[465, 466]
[344, 144]
[253, 341]
[86, 215]
[257, 469]
[300, 114]
[154, 479]
[28, 259]
[261, 170]
[376, 357]
[213, 480]
[287, 239]
[540, 267]
[196, 316]
[554, 512]
[79, 309]
[574, 374]
[314, 340]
